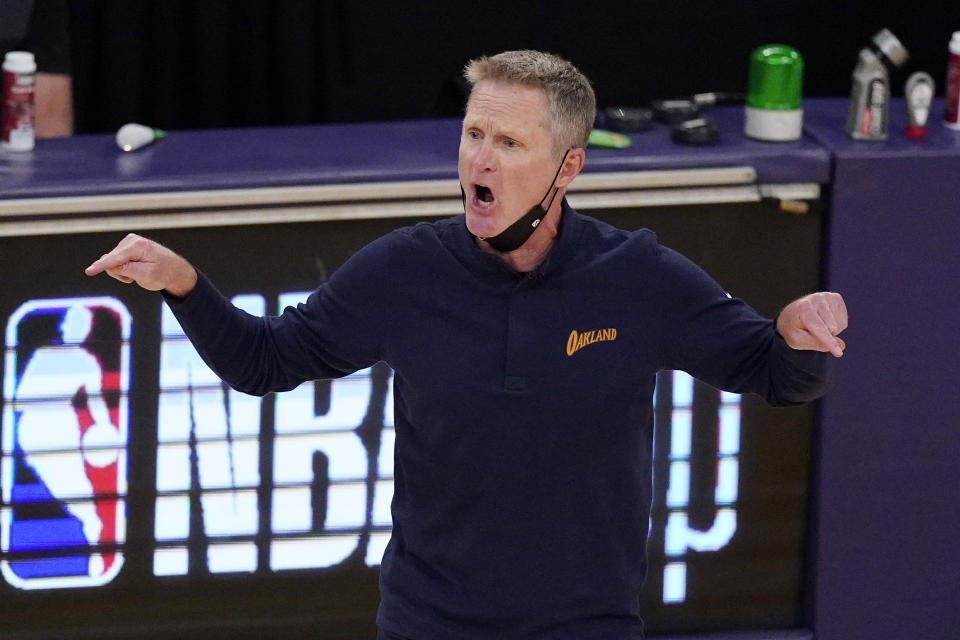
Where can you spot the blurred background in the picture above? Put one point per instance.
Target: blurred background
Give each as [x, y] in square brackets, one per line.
[217, 63]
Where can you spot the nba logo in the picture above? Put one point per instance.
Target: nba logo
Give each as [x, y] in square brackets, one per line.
[63, 467]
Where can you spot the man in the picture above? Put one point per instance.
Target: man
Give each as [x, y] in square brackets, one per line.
[525, 340]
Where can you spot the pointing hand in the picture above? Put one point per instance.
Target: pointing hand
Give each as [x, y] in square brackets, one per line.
[813, 323]
[149, 264]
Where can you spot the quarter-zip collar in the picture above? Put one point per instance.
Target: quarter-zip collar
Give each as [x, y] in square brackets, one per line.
[563, 249]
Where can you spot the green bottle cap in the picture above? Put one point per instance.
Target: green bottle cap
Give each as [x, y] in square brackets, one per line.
[776, 78]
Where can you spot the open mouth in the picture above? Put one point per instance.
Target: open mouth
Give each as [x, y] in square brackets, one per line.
[484, 194]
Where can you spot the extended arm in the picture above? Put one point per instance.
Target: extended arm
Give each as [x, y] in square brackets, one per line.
[335, 332]
[724, 342]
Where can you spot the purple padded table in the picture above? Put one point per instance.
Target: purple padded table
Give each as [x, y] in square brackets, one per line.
[888, 494]
[355, 153]
[374, 170]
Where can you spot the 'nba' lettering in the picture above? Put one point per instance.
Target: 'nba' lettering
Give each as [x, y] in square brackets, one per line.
[329, 445]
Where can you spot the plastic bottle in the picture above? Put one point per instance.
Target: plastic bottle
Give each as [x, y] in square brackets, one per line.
[19, 78]
[869, 111]
[952, 108]
[917, 95]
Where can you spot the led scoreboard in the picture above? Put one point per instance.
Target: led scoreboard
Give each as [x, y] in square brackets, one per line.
[140, 495]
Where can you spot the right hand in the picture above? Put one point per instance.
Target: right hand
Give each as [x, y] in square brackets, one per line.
[149, 264]
[813, 322]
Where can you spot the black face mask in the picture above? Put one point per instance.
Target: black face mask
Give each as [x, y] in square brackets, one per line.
[516, 234]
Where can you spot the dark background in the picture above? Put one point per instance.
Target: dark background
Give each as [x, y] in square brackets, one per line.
[182, 64]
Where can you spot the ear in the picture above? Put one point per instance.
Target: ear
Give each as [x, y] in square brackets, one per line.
[572, 166]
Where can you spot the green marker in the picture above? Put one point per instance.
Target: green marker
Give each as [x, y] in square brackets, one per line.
[608, 139]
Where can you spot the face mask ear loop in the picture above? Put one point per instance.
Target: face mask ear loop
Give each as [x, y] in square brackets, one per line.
[552, 182]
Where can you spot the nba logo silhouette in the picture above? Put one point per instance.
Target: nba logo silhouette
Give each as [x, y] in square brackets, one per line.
[63, 467]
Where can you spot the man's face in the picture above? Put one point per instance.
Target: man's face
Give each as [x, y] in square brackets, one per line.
[506, 158]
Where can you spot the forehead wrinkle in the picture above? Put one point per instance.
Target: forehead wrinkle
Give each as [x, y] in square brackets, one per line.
[504, 114]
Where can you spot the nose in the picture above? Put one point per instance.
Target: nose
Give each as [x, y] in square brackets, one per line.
[482, 156]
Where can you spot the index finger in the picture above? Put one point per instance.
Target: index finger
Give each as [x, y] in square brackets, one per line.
[120, 255]
[818, 329]
[106, 261]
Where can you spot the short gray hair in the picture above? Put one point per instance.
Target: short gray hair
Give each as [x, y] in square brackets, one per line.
[570, 99]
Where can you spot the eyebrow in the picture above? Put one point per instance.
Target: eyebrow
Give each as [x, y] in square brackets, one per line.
[503, 133]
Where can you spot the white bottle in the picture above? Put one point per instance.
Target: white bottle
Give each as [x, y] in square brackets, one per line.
[19, 78]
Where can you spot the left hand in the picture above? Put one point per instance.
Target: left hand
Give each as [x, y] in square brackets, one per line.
[813, 322]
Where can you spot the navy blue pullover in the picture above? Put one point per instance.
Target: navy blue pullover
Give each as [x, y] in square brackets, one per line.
[522, 409]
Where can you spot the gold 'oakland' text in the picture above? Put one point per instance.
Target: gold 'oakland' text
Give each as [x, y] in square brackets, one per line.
[578, 341]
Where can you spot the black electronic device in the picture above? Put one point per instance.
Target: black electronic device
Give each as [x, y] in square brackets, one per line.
[674, 111]
[698, 131]
[628, 119]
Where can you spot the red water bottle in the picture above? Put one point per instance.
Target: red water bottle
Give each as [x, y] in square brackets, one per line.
[952, 111]
[19, 78]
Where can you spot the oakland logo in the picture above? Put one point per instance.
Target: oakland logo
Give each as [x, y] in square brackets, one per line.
[578, 341]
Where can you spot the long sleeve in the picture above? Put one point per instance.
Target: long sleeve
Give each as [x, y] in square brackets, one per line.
[724, 342]
[334, 333]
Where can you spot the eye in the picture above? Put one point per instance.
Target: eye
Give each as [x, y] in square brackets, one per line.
[473, 134]
[511, 144]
